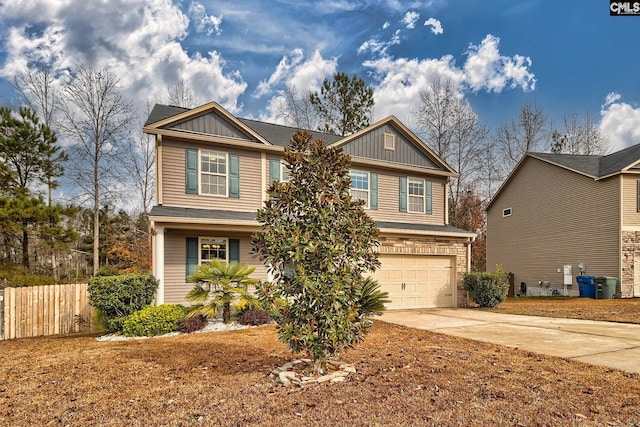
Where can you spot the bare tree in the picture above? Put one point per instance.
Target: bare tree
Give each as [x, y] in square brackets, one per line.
[98, 120]
[297, 111]
[452, 129]
[142, 167]
[522, 135]
[182, 95]
[579, 137]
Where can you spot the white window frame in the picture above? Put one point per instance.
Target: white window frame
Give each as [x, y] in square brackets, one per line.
[389, 141]
[409, 195]
[284, 170]
[226, 174]
[204, 238]
[507, 212]
[368, 190]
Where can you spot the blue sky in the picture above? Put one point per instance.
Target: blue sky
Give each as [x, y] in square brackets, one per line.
[568, 57]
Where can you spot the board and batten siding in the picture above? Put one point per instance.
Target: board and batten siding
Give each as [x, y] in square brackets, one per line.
[212, 124]
[173, 184]
[630, 214]
[175, 284]
[371, 146]
[389, 198]
[557, 218]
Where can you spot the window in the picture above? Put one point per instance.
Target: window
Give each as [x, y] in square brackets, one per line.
[389, 141]
[213, 173]
[416, 195]
[285, 173]
[360, 186]
[506, 212]
[212, 248]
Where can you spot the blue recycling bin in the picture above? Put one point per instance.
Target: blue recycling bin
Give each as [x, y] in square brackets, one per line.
[586, 286]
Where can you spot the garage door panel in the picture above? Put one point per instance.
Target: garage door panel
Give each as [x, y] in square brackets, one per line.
[417, 281]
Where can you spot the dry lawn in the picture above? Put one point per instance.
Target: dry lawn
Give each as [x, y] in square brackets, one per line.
[406, 377]
[610, 310]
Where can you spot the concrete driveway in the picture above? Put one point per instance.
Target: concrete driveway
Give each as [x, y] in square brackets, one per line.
[616, 345]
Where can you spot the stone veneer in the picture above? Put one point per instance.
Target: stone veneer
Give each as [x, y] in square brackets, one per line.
[432, 245]
[630, 246]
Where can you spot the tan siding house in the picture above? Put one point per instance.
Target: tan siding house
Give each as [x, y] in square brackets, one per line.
[213, 171]
[558, 210]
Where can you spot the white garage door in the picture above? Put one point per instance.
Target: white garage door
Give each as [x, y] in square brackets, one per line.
[417, 281]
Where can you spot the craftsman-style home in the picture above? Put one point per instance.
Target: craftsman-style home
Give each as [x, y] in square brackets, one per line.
[213, 170]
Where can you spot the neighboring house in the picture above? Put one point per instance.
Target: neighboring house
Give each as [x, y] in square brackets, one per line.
[213, 171]
[558, 210]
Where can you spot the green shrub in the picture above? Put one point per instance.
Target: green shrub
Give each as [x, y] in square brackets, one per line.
[154, 320]
[254, 317]
[487, 289]
[116, 297]
[17, 276]
[193, 323]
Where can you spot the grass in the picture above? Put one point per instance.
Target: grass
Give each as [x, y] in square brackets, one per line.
[405, 377]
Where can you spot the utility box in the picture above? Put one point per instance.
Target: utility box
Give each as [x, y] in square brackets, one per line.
[568, 275]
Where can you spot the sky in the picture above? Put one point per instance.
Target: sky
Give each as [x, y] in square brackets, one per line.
[568, 57]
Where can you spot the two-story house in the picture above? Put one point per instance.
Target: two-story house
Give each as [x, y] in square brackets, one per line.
[578, 211]
[213, 170]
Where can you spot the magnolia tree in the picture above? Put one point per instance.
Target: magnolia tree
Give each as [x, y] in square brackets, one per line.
[318, 243]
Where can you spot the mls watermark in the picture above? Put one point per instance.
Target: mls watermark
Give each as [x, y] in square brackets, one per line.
[624, 8]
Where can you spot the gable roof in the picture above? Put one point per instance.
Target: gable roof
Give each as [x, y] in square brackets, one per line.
[168, 118]
[591, 166]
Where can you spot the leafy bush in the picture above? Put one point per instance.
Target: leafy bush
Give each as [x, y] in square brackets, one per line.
[485, 288]
[107, 270]
[192, 323]
[154, 320]
[254, 317]
[371, 299]
[116, 297]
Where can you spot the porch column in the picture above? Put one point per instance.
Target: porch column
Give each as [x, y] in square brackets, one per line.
[158, 263]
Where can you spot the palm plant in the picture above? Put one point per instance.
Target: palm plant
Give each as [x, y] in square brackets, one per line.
[371, 299]
[218, 284]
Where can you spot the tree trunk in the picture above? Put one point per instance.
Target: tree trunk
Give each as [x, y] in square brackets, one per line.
[226, 312]
[25, 245]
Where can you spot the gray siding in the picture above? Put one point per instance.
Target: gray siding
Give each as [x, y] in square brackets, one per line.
[558, 217]
[175, 284]
[630, 214]
[212, 124]
[173, 184]
[371, 146]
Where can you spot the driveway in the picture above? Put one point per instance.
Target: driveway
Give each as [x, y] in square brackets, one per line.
[616, 345]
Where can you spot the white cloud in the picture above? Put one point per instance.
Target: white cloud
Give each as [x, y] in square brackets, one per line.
[620, 121]
[378, 47]
[487, 69]
[203, 22]
[410, 19]
[401, 80]
[137, 40]
[436, 26]
[302, 76]
[386, 25]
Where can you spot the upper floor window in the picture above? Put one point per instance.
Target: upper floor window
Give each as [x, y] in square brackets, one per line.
[389, 141]
[213, 173]
[285, 172]
[416, 195]
[360, 186]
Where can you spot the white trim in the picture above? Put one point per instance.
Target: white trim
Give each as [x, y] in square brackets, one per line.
[158, 263]
[368, 190]
[389, 137]
[226, 247]
[226, 175]
[409, 196]
[507, 212]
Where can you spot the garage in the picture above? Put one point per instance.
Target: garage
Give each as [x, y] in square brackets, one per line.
[417, 281]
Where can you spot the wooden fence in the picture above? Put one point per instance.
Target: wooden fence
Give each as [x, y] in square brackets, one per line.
[45, 310]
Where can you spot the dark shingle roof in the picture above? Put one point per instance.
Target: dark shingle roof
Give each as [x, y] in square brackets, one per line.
[276, 134]
[594, 166]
